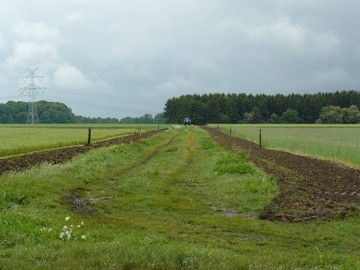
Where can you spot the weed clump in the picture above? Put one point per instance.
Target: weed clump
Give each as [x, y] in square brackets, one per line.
[233, 163]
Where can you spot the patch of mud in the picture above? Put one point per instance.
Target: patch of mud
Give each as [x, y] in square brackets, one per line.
[76, 203]
[310, 188]
[224, 211]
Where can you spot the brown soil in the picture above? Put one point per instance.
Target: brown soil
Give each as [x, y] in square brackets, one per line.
[310, 188]
[61, 155]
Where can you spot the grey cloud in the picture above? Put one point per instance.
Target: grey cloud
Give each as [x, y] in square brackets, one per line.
[144, 52]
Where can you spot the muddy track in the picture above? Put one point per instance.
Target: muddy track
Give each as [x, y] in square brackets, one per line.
[310, 188]
[61, 155]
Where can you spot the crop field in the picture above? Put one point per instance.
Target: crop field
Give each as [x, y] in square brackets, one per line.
[18, 139]
[179, 199]
[334, 142]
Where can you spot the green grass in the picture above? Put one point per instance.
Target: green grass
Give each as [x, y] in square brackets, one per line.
[335, 142]
[160, 204]
[18, 139]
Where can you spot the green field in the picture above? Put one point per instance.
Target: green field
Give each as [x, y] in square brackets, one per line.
[18, 139]
[173, 201]
[335, 142]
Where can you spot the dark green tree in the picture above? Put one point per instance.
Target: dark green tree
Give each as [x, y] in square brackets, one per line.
[290, 116]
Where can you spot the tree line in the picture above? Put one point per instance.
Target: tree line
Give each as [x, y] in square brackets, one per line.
[55, 112]
[145, 119]
[48, 112]
[261, 108]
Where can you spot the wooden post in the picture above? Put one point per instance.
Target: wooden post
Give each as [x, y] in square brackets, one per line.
[230, 130]
[260, 137]
[89, 136]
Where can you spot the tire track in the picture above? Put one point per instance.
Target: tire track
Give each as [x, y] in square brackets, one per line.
[150, 156]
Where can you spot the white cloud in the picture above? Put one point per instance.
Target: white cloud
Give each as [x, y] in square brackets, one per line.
[74, 17]
[28, 54]
[282, 34]
[2, 43]
[69, 76]
[176, 84]
[168, 48]
[36, 32]
[33, 45]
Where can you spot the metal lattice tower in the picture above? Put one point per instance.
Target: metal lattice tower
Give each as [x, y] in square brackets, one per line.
[32, 90]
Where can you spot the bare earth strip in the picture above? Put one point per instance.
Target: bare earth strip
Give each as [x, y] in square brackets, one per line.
[310, 188]
[61, 155]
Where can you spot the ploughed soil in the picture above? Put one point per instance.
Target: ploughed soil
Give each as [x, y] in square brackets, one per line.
[61, 155]
[310, 188]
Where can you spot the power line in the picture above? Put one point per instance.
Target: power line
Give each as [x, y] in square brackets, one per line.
[77, 97]
[8, 85]
[96, 106]
[10, 97]
[81, 93]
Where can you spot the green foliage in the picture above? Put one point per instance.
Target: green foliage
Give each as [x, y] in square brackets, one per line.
[161, 205]
[95, 120]
[243, 108]
[145, 119]
[48, 112]
[290, 116]
[337, 115]
[233, 163]
[56, 112]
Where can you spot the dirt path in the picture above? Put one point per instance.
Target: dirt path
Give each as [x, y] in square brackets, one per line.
[310, 188]
[61, 155]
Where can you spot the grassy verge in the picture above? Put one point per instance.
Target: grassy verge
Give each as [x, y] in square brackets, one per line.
[24, 139]
[174, 201]
[335, 142]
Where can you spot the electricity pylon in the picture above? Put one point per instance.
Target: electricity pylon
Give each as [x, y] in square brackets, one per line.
[32, 90]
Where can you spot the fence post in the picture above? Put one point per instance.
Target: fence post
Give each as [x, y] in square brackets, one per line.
[260, 137]
[230, 130]
[89, 136]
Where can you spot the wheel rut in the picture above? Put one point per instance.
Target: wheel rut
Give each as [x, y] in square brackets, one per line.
[149, 156]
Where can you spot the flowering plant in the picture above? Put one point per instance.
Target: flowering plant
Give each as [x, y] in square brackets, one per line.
[70, 231]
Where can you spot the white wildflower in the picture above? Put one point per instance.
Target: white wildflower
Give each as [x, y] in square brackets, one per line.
[62, 234]
[65, 228]
[67, 218]
[83, 237]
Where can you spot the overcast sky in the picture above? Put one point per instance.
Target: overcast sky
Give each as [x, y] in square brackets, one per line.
[122, 58]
